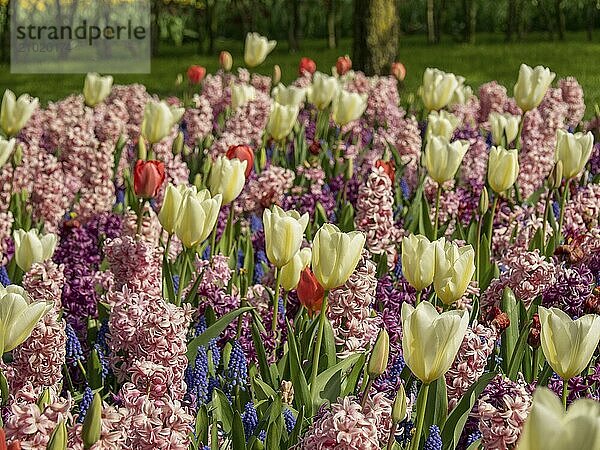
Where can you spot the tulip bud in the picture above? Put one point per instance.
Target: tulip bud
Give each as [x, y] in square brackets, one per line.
[484, 202]
[454, 269]
[31, 247]
[159, 120]
[535, 331]
[44, 399]
[503, 168]
[178, 80]
[243, 153]
[306, 67]
[555, 177]
[531, 86]
[92, 424]
[196, 74]
[574, 151]
[400, 405]
[148, 177]
[284, 231]
[438, 88]
[208, 141]
[17, 157]
[379, 355]
[323, 90]
[14, 113]
[96, 88]
[141, 151]
[398, 70]
[430, 340]
[348, 107]
[276, 78]
[335, 255]
[281, 120]
[568, 344]
[310, 292]
[225, 60]
[388, 168]
[198, 181]
[256, 49]
[178, 144]
[7, 148]
[343, 65]
[227, 177]
[58, 439]
[169, 210]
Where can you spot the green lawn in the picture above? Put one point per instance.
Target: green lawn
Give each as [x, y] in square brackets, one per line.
[489, 59]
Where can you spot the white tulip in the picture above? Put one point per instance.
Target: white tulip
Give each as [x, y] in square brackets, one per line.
[256, 49]
[323, 90]
[347, 107]
[15, 113]
[96, 88]
[289, 96]
[531, 86]
[241, 94]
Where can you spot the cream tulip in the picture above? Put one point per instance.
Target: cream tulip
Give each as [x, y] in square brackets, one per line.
[574, 151]
[549, 427]
[347, 107]
[289, 96]
[197, 216]
[503, 168]
[430, 340]
[441, 123]
[15, 113]
[418, 261]
[256, 49]
[323, 90]
[284, 231]
[227, 177]
[454, 269]
[241, 94]
[438, 88]
[531, 86]
[31, 247]
[169, 210]
[462, 93]
[443, 158]
[18, 316]
[503, 126]
[96, 88]
[335, 255]
[568, 344]
[159, 120]
[290, 273]
[281, 120]
[6, 150]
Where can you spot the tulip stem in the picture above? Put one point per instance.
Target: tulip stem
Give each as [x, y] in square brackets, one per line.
[230, 228]
[546, 208]
[140, 216]
[392, 438]
[182, 276]
[420, 418]
[491, 227]
[437, 209]
[366, 392]
[562, 208]
[478, 247]
[276, 299]
[317, 350]
[213, 241]
[565, 392]
[418, 297]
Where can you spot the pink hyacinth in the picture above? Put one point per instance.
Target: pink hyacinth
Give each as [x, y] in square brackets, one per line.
[582, 211]
[198, 120]
[572, 95]
[29, 424]
[471, 361]
[354, 326]
[44, 282]
[501, 412]
[6, 221]
[348, 426]
[375, 215]
[266, 189]
[494, 98]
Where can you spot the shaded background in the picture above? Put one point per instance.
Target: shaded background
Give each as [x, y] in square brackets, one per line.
[479, 39]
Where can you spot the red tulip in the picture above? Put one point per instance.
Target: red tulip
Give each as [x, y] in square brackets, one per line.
[307, 65]
[388, 168]
[398, 70]
[310, 292]
[315, 147]
[148, 177]
[196, 74]
[243, 153]
[343, 65]
[15, 445]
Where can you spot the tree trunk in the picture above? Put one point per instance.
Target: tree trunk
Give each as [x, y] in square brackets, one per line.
[331, 11]
[294, 26]
[549, 20]
[591, 17]
[210, 27]
[437, 21]
[511, 20]
[5, 38]
[376, 33]
[154, 34]
[560, 19]
[431, 21]
[470, 7]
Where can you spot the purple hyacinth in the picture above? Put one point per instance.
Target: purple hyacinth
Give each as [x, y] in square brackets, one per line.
[4, 280]
[86, 402]
[390, 381]
[74, 352]
[574, 285]
[434, 440]
[289, 419]
[237, 370]
[197, 377]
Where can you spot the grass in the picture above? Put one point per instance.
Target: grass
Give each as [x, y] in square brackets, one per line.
[490, 59]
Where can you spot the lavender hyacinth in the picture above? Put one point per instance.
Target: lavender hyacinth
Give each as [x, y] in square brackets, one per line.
[574, 285]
